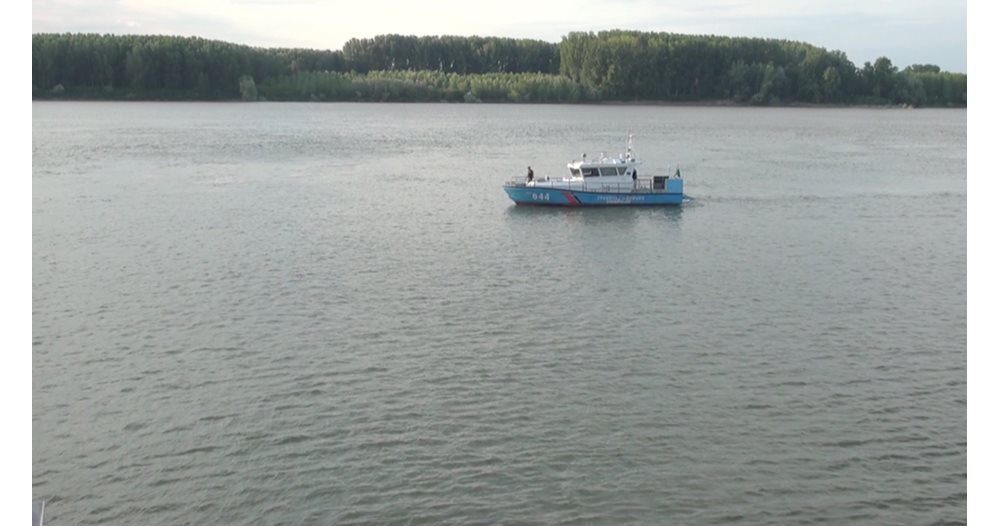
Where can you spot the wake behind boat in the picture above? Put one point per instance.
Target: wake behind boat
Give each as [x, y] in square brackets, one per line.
[606, 181]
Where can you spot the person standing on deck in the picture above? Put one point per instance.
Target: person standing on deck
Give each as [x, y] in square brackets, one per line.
[531, 174]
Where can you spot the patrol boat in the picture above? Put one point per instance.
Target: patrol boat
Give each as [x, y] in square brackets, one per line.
[605, 181]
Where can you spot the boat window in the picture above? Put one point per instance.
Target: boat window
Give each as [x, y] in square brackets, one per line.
[621, 170]
[609, 171]
[575, 172]
[590, 172]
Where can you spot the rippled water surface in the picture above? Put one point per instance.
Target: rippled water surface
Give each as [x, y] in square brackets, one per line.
[332, 314]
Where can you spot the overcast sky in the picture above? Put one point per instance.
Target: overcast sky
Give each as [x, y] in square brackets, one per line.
[906, 31]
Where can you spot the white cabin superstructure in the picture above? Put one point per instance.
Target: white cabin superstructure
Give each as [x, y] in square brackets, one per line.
[605, 173]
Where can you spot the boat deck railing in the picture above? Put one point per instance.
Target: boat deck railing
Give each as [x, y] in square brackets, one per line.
[638, 187]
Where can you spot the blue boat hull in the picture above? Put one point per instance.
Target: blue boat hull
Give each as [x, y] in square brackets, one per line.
[526, 195]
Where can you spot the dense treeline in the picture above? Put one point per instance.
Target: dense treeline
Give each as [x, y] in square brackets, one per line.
[426, 86]
[178, 67]
[160, 66]
[664, 66]
[610, 65]
[451, 54]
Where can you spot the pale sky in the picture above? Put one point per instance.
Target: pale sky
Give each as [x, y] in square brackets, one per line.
[906, 31]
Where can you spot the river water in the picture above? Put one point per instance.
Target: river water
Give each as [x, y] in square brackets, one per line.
[332, 314]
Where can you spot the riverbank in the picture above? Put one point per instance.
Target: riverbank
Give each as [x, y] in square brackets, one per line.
[676, 103]
[735, 104]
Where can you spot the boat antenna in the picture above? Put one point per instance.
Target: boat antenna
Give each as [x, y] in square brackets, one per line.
[628, 146]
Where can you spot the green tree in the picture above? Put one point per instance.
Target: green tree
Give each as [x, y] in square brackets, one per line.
[922, 68]
[248, 88]
[831, 84]
[882, 77]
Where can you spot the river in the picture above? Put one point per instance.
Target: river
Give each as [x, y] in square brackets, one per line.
[332, 314]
